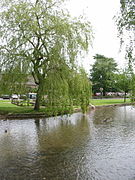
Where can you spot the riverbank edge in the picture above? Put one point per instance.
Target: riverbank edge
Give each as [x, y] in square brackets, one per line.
[42, 115]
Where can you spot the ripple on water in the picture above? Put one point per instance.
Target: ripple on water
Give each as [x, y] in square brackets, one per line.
[75, 147]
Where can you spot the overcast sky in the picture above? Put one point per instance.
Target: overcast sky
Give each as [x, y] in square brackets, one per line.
[100, 13]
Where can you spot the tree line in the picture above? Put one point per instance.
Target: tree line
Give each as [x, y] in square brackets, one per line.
[105, 74]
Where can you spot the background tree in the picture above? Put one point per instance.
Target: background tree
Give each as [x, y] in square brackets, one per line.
[41, 36]
[126, 27]
[123, 82]
[102, 73]
[132, 92]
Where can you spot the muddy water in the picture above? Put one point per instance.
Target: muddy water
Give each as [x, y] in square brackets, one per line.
[97, 146]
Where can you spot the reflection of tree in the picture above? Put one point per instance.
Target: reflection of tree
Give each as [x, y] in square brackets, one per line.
[65, 148]
[65, 134]
[37, 123]
[61, 146]
[56, 151]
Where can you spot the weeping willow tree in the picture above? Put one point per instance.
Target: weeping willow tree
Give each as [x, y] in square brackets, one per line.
[56, 97]
[42, 36]
[126, 27]
[80, 89]
[64, 91]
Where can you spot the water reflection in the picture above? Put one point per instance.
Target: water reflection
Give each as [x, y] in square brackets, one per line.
[98, 145]
[62, 133]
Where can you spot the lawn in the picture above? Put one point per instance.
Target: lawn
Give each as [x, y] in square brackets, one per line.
[6, 106]
[100, 102]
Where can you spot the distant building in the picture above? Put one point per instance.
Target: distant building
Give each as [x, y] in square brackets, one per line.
[30, 83]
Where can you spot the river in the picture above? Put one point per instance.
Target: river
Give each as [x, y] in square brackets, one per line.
[97, 146]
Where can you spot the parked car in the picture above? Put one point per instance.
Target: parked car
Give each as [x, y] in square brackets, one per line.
[15, 96]
[6, 96]
[32, 95]
[23, 96]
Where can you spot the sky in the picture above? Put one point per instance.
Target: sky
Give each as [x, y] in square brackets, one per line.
[100, 13]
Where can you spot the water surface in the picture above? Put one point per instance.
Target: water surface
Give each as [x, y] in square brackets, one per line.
[97, 146]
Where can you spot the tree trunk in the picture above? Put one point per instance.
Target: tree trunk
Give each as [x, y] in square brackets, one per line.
[125, 97]
[39, 97]
[103, 93]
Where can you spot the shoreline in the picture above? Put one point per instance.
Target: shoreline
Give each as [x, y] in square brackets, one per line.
[42, 115]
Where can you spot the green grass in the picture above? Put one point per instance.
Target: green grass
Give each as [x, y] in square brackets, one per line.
[100, 102]
[6, 106]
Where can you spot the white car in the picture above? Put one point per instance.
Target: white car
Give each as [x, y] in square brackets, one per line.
[15, 96]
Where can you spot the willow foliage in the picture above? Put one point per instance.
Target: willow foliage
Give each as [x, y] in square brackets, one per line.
[13, 81]
[126, 27]
[42, 36]
[64, 91]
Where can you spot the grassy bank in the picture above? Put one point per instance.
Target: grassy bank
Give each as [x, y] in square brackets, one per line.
[100, 102]
[6, 107]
